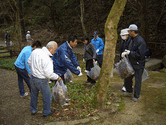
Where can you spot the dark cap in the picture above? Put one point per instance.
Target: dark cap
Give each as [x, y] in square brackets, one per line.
[95, 33]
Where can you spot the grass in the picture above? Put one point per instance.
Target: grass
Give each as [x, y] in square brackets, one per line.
[7, 63]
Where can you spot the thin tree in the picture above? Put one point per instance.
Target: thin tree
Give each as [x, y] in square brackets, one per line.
[109, 52]
[82, 16]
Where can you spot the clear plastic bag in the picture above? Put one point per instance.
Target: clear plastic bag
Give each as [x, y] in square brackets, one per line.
[94, 72]
[68, 76]
[145, 75]
[59, 92]
[124, 68]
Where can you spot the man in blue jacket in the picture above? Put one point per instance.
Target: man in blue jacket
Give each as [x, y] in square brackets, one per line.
[99, 45]
[64, 58]
[136, 53]
[22, 67]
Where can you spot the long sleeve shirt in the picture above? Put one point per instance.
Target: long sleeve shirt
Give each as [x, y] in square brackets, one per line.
[98, 43]
[41, 64]
[21, 61]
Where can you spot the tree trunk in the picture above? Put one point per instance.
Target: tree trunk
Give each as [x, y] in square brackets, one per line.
[144, 20]
[109, 52]
[82, 16]
[21, 21]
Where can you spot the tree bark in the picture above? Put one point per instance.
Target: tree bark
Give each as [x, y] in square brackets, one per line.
[109, 52]
[144, 20]
[82, 16]
[21, 21]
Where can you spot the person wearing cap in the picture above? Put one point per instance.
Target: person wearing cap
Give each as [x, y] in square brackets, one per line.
[99, 45]
[22, 67]
[41, 66]
[28, 38]
[126, 39]
[89, 56]
[136, 54]
[64, 58]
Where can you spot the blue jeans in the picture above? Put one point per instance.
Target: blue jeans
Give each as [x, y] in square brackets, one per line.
[42, 86]
[22, 75]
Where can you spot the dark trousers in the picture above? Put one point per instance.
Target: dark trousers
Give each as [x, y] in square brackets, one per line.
[100, 60]
[8, 44]
[23, 75]
[89, 65]
[128, 82]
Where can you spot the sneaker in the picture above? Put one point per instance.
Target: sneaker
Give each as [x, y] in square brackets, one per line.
[67, 99]
[134, 99]
[49, 82]
[123, 89]
[66, 104]
[52, 112]
[33, 113]
[127, 94]
[71, 81]
[25, 94]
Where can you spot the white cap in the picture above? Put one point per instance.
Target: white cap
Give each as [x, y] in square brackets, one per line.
[124, 32]
[28, 31]
[133, 27]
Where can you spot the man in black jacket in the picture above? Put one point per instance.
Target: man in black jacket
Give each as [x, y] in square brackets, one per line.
[136, 54]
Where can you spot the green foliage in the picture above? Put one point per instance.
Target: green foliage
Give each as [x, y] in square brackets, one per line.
[8, 63]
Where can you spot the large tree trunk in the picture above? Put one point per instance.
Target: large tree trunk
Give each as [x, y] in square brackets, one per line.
[144, 20]
[82, 16]
[109, 52]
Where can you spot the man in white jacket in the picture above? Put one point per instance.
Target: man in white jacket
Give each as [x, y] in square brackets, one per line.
[41, 66]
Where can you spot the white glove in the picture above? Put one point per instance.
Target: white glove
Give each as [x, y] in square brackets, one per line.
[79, 68]
[5, 41]
[128, 51]
[97, 50]
[83, 60]
[123, 54]
[80, 74]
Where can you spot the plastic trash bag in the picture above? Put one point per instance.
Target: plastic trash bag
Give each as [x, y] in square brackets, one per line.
[125, 68]
[68, 76]
[145, 75]
[59, 92]
[94, 72]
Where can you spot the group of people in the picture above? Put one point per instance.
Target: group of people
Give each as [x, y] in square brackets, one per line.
[36, 65]
[133, 46]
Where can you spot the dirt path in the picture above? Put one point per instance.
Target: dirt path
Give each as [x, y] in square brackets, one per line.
[16, 110]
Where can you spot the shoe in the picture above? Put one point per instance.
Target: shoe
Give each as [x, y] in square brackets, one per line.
[71, 81]
[66, 104]
[87, 81]
[49, 82]
[134, 99]
[52, 112]
[67, 99]
[92, 84]
[127, 94]
[25, 94]
[123, 89]
[33, 113]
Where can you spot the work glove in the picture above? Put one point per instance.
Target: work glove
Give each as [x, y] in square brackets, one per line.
[128, 51]
[83, 60]
[97, 50]
[5, 41]
[79, 68]
[80, 74]
[123, 54]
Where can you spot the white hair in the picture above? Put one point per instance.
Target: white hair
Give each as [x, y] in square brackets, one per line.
[28, 31]
[51, 45]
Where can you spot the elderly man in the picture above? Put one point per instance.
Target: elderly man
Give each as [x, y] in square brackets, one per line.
[136, 54]
[22, 67]
[99, 45]
[41, 66]
[64, 58]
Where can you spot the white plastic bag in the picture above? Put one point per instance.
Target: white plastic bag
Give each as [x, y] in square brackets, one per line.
[59, 92]
[94, 72]
[145, 75]
[124, 68]
[68, 76]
